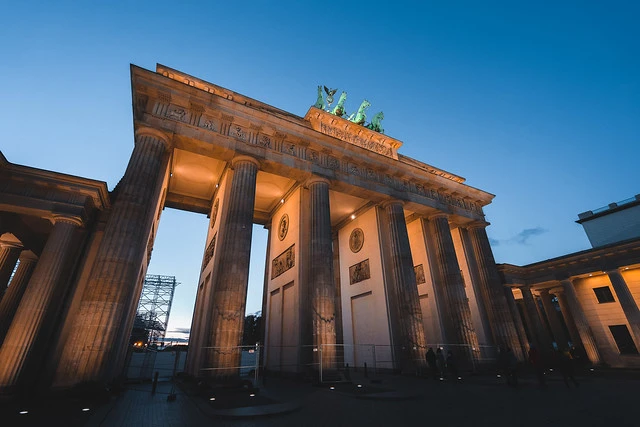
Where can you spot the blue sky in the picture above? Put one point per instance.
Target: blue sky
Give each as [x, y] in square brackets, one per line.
[535, 102]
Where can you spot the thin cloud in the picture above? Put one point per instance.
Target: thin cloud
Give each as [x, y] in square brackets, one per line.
[522, 238]
[180, 331]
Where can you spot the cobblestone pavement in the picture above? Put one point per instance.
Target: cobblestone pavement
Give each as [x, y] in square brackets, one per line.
[484, 401]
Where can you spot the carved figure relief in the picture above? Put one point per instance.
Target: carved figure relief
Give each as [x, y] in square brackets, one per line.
[283, 262]
[209, 123]
[283, 227]
[238, 132]
[419, 270]
[359, 272]
[208, 254]
[177, 113]
[214, 212]
[356, 240]
[264, 141]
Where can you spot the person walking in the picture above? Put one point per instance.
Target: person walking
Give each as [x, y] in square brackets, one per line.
[564, 364]
[432, 363]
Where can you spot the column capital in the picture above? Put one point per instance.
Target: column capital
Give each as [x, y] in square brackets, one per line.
[477, 224]
[146, 131]
[556, 291]
[27, 255]
[316, 179]
[387, 203]
[438, 215]
[11, 244]
[69, 219]
[243, 158]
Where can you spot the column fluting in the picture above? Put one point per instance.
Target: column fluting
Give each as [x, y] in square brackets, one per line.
[628, 303]
[568, 319]
[449, 286]
[405, 288]
[230, 283]
[536, 326]
[586, 335]
[12, 297]
[321, 280]
[517, 319]
[24, 347]
[492, 293]
[92, 351]
[552, 315]
[9, 253]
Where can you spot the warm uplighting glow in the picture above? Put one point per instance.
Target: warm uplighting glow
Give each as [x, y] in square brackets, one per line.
[590, 275]
[353, 216]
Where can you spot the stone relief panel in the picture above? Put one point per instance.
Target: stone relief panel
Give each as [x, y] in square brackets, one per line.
[238, 132]
[359, 272]
[180, 114]
[283, 262]
[209, 123]
[208, 254]
[283, 227]
[264, 141]
[419, 271]
[214, 212]
[356, 240]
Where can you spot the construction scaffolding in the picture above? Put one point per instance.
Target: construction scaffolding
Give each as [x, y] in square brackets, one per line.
[154, 309]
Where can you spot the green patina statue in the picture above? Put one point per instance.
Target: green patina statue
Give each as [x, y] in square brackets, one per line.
[376, 122]
[339, 110]
[359, 117]
[320, 101]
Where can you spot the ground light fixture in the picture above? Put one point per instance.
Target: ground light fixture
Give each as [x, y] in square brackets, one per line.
[85, 409]
[23, 412]
[212, 398]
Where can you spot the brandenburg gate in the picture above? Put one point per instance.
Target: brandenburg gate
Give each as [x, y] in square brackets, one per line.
[366, 246]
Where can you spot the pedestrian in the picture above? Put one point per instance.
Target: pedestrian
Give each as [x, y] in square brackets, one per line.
[452, 366]
[564, 364]
[432, 363]
[512, 368]
[535, 358]
[440, 363]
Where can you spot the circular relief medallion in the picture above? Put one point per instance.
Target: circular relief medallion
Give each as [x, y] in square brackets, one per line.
[283, 227]
[356, 240]
[214, 212]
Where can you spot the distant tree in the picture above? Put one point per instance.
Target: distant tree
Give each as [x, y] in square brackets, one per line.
[252, 324]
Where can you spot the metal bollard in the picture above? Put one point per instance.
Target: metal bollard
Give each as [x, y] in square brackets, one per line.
[155, 383]
[366, 375]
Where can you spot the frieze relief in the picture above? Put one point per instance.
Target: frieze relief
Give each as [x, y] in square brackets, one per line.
[368, 144]
[359, 272]
[283, 262]
[419, 271]
[208, 254]
[225, 126]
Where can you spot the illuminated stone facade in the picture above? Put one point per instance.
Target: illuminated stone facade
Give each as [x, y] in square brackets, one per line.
[589, 299]
[366, 247]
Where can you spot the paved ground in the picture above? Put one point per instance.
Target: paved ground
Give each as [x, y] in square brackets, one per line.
[601, 399]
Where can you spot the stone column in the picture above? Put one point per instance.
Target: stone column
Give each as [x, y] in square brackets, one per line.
[517, 319]
[9, 253]
[229, 285]
[91, 351]
[552, 315]
[11, 300]
[321, 280]
[538, 330]
[629, 305]
[568, 319]
[405, 289]
[448, 284]
[492, 292]
[26, 343]
[586, 335]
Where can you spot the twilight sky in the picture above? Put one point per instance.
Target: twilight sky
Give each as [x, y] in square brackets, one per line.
[535, 102]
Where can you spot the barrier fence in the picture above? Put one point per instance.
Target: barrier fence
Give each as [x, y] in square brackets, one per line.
[326, 363]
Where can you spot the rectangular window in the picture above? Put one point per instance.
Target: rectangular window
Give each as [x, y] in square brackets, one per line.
[604, 294]
[623, 339]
